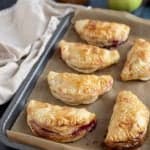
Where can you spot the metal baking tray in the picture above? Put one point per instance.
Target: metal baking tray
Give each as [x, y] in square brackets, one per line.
[25, 91]
[19, 99]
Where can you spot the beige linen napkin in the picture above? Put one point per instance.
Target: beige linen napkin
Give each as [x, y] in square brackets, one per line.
[25, 30]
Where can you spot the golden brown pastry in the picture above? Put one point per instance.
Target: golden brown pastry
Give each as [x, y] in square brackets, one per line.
[75, 89]
[59, 123]
[102, 33]
[87, 58]
[137, 66]
[129, 122]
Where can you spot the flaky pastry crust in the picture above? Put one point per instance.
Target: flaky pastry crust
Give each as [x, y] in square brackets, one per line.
[87, 58]
[75, 89]
[129, 122]
[137, 65]
[102, 33]
[59, 123]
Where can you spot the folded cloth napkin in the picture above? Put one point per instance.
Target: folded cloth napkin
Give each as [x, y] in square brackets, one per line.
[25, 30]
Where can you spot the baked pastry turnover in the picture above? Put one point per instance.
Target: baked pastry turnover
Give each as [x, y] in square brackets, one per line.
[137, 66]
[129, 122]
[87, 58]
[75, 89]
[57, 123]
[102, 33]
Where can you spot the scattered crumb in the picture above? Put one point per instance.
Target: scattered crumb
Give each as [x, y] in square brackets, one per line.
[95, 142]
[87, 144]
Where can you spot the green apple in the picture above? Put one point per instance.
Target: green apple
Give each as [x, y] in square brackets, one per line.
[127, 5]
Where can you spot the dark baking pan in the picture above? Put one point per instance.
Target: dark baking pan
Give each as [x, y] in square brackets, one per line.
[25, 89]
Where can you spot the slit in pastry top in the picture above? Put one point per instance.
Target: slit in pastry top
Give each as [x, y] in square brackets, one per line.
[129, 122]
[76, 89]
[87, 58]
[137, 65]
[59, 123]
[102, 33]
